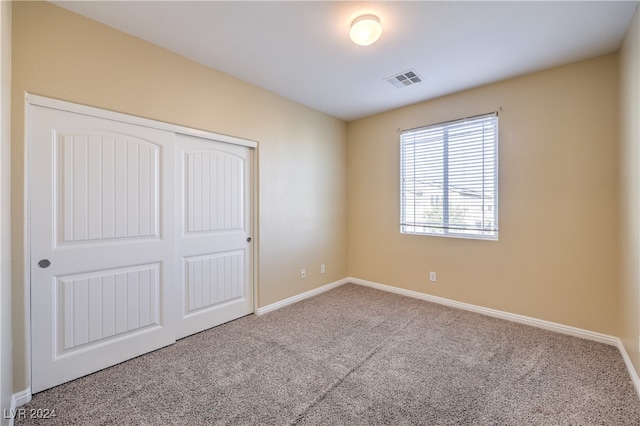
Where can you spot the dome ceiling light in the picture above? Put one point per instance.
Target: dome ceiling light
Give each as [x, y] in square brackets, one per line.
[365, 30]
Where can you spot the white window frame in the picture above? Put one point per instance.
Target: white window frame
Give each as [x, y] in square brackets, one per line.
[416, 166]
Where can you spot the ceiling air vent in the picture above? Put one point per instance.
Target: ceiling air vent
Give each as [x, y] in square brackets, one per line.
[405, 79]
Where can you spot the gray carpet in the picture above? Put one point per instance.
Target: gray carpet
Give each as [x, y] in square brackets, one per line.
[356, 355]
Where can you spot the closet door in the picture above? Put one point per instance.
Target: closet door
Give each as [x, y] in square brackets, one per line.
[102, 230]
[214, 235]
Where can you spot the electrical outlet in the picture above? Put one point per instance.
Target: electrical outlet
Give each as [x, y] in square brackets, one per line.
[322, 269]
[303, 273]
[432, 277]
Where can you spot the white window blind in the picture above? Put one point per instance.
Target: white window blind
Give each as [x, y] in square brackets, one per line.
[449, 179]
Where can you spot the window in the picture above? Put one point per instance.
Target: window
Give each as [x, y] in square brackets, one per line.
[455, 163]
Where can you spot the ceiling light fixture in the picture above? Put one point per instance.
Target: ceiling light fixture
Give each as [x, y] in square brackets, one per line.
[365, 30]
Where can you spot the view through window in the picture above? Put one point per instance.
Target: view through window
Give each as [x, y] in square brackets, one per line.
[449, 178]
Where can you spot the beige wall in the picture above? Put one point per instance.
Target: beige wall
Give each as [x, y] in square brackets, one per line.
[629, 294]
[6, 373]
[302, 153]
[556, 258]
[557, 254]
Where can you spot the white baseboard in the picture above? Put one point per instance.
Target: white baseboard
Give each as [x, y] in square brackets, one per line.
[18, 400]
[21, 398]
[627, 361]
[301, 296]
[522, 319]
[547, 325]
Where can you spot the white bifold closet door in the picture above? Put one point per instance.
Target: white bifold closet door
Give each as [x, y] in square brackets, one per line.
[138, 237]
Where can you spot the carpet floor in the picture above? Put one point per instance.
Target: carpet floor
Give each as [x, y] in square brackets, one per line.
[357, 356]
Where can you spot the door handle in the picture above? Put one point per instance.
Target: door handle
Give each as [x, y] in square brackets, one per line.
[44, 263]
[249, 239]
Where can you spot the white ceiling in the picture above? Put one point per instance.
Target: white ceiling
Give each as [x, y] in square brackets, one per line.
[301, 50]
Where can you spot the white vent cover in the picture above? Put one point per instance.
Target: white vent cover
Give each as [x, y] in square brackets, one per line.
[404, 79]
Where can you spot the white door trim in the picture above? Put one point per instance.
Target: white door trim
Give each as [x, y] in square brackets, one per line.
[36, 100]
[131, 119]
